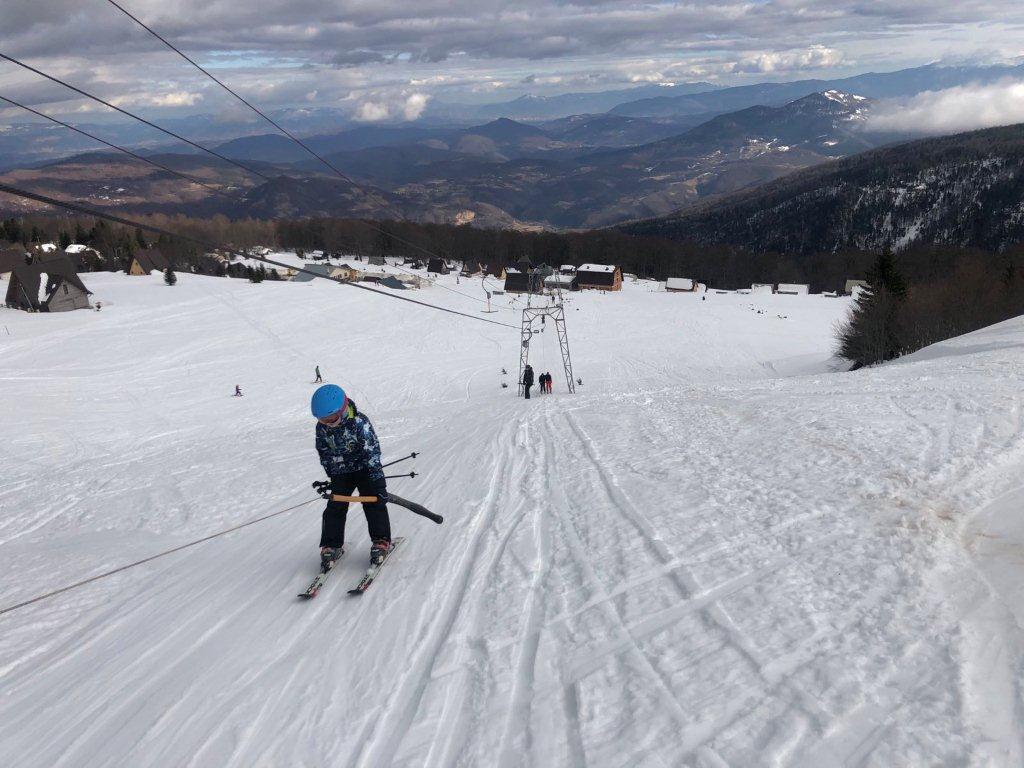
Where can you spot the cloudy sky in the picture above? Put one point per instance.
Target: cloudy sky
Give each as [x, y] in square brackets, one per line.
[386, 59]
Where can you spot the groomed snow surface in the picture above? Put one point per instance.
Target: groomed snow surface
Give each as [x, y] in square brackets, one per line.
[719, 552]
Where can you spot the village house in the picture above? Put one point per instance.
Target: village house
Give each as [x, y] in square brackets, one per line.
[567, 269]
[601, 277]
[438, 266]
[46, 284]
[853, 285]
[520, 281]
[560, 282]
[145, 262]
[9, 259]
[793, 289]
[762, 288]
[680, 285]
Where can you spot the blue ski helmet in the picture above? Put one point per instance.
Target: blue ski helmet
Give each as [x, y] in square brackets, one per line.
[328, 399]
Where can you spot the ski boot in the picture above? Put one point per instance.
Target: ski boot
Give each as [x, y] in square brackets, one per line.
[329, 556]
[379, 550]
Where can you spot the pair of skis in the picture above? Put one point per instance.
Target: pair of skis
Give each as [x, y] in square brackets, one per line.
[364, 583]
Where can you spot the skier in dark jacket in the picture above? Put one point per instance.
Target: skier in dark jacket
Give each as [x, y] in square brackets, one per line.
[527, 380]
[350, 454]
[547, 382]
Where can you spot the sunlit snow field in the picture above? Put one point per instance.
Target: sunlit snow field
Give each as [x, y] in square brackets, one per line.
[719, 552]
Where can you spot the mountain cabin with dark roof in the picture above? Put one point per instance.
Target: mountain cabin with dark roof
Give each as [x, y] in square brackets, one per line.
[46, 284]
[519, 281]
[599, 277]
[9, 259]
[145, 262]
[438, 266]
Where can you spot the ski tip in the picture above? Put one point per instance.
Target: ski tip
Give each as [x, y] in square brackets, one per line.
[356, 591]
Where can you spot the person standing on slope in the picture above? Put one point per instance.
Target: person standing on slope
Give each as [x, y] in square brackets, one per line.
[350, 454]
[547, 381]
[319, 378]
[527, 380]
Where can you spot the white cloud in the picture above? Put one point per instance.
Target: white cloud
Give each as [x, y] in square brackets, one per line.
[401, 107]
[173, 99]
[372, 112]
[414, 106]
[814, 57]
[963, 108]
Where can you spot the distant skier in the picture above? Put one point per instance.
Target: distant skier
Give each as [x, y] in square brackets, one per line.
[350, 454]
[238, 391]
[319, 378]
[547, 382]
[527, 380]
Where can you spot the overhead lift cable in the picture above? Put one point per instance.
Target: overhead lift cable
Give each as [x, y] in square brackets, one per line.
[128, 152]
[89, 211]
[284, 131]
[98, 100]
[144, 560]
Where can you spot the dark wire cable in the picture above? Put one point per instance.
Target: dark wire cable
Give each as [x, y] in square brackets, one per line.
[206, 244]
[219, 82]
[294, 138]
[132, 115]
[128, 152]
[166, 552]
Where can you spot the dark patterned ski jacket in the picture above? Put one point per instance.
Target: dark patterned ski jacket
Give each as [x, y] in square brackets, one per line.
[352, 446]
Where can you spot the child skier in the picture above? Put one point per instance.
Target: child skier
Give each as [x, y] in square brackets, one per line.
[350, 454]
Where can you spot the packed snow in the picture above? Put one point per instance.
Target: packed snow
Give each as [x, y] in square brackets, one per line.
[721, 551]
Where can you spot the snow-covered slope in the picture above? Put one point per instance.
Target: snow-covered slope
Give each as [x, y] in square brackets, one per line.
[700, 559]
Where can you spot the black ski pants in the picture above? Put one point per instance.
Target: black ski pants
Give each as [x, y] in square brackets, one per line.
[377, 522]
[526, 389]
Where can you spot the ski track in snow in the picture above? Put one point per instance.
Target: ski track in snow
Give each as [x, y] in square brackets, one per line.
[695, 561]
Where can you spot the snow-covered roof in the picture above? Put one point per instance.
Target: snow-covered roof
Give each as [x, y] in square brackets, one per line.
[679, 283]
[596, 268]
[793, 288]
[567, 268]
[557, 279]
[48, 247]
[76, 248]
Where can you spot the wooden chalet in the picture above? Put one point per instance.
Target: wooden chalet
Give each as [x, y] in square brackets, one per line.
[145, 262]
[495, 270]
[600, 277]
[680, 285]
[46, 284]
[518, 281]
[560, 282]
[9, 259]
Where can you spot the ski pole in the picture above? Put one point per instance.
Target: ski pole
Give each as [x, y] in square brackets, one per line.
[412, 506]
[323, 487]
[407, 474]
[412, 455]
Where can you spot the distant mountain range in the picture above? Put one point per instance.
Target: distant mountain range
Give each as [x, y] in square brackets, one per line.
[578, 171]
[963, 190]
[906, 82]
[504, 173]
[536, 108]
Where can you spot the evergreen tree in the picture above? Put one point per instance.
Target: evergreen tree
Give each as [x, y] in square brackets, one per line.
[64, 239]
[169, 277]
[140, 239]
[872, 333]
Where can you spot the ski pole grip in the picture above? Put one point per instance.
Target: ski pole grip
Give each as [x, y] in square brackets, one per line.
[354, 499]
